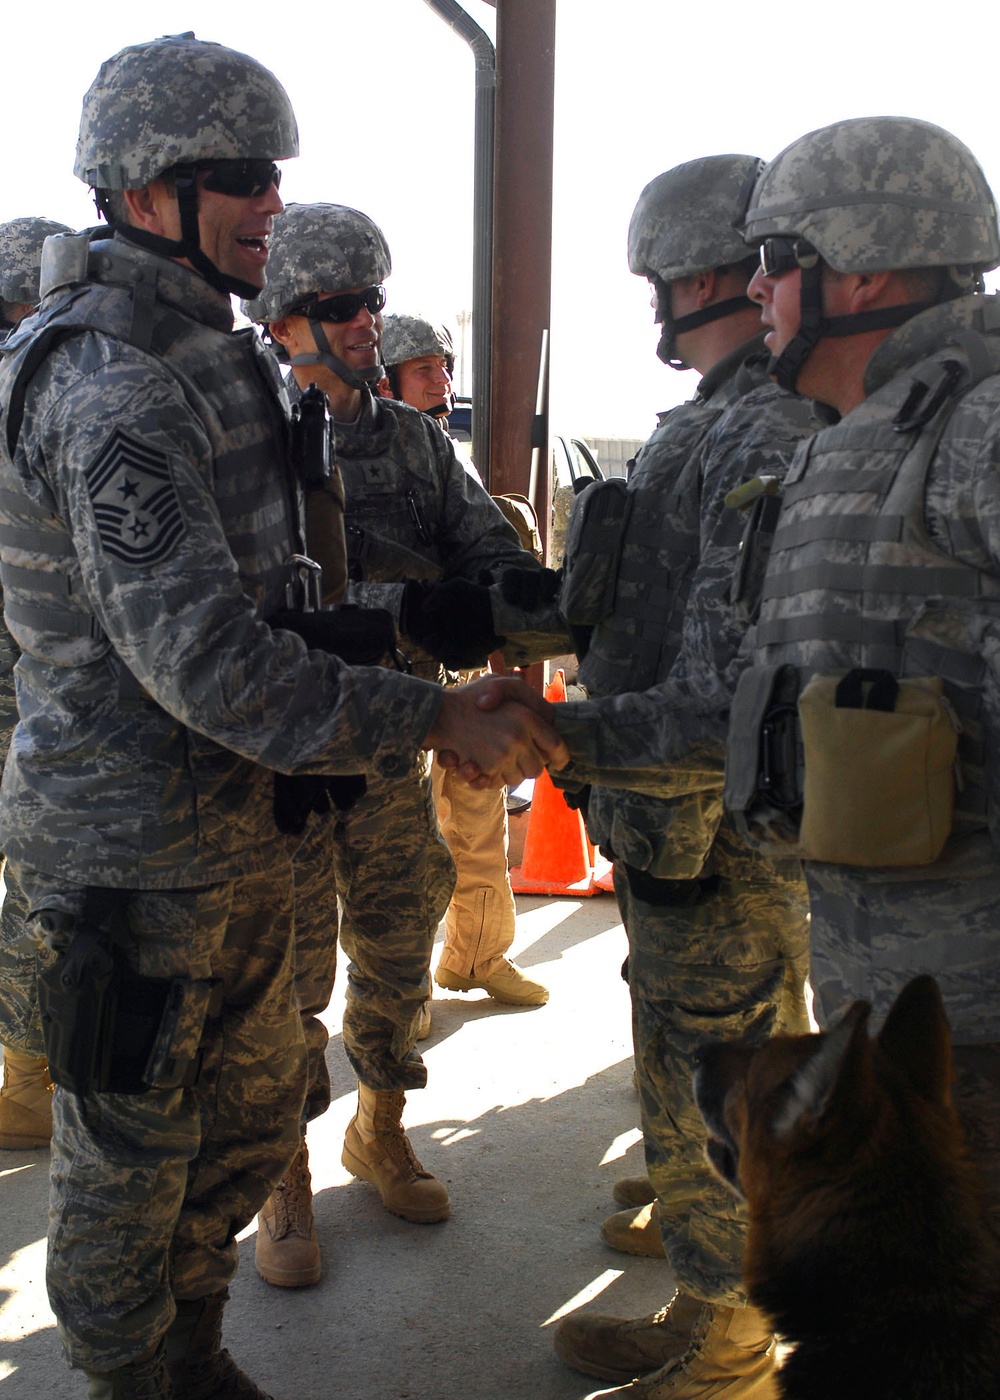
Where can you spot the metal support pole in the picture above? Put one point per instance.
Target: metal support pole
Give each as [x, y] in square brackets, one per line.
[522, 245]
[482, 235]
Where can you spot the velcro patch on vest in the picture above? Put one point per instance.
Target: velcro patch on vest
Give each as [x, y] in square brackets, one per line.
[136, 506]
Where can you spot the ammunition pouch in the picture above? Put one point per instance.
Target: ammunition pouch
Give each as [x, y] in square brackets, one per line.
[858, 769]
[107, 1029]
[594, 539]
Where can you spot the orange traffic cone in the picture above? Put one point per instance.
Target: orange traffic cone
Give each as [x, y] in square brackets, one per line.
[558, 858]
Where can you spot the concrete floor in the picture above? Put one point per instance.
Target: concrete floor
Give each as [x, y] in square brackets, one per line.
[529, 1116]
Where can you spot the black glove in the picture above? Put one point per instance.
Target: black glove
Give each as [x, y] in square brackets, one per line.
[528, 588]
[296, 795]
[577, 799]
[452, 620]
[359, 636]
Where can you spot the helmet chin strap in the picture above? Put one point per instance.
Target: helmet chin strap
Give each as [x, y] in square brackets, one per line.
[188, 246]
[786, 367]
[666, 350]
[356, 378]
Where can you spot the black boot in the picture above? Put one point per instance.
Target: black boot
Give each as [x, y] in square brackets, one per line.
[139, 1380]
[199, 1367]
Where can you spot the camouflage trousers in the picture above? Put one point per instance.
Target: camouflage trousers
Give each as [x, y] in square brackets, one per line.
[874, 929]
[20, 1028]
[720, 957]
[149, 1191]
[385, 863]
[481, 918]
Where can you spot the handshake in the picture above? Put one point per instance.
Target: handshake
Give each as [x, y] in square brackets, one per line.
[496, 731]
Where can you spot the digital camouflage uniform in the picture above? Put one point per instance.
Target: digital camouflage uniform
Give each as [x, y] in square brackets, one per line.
[934, 609]
[412, 511]
[20, 1029]
[887, 556]
[717, 934]
[154, 705]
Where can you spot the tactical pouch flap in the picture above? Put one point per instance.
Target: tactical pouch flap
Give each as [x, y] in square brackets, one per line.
[762, 756]
[594, 539]
[879, 769]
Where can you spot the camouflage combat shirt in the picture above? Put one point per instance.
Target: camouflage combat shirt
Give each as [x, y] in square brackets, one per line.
[146, 511]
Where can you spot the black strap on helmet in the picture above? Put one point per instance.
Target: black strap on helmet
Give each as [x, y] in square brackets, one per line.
[355, 378]
[666, 350]
[786, 367]
[189, 244]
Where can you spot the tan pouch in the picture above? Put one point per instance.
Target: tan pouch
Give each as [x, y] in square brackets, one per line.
[519, 512]
[879, 759]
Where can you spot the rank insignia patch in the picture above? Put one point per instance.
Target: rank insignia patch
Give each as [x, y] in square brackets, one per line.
[136, 506]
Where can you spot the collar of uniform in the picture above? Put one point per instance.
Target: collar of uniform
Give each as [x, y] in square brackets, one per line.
[919, 337]
[375, 429]
[180, 287]
[725, 368]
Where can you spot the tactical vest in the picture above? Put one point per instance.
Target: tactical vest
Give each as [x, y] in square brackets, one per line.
[391, 515]
[640, 559]
[261, 523]
[856, 581]
[213, 817]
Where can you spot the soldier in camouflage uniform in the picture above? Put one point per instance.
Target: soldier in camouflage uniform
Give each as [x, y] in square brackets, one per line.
[419, 359]
[26, 1096]
[148, 515]
[717, 934]
[423, 539]
[873, 237]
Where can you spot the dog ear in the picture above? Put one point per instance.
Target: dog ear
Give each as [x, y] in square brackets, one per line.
[916, 1039]
[811, 1088]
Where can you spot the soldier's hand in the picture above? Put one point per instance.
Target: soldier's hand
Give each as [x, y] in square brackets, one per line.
[501, 742]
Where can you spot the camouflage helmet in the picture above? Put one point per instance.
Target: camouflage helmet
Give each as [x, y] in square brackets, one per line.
[685, 220]
[175, 101]
[409, 337]
[21, 255]
[877, 194]
[319, 248]
[685, 224]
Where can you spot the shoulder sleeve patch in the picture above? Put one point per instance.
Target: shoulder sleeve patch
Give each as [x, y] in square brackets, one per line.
[136, 506]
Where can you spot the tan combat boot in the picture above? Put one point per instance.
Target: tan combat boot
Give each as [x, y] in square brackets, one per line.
[377, 1150]
[635, 1231]
[424, 1020]
[25, 1101]
[633, 1191]
[618, 1348]
[200, 1368]
[506, 983]
[287, 1254]
[731, 1356]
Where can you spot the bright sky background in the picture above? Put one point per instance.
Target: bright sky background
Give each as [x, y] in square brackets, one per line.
[384, 94]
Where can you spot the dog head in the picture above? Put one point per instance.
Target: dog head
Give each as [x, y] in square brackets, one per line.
[797, 1110]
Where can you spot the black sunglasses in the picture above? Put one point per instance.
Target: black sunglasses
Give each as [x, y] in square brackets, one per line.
[345, 306]
[779, 255]
[243, 179]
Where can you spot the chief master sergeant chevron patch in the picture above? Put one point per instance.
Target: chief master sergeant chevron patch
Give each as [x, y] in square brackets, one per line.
[136, 506]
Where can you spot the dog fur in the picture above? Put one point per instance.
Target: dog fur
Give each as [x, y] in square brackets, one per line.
[866, 1243]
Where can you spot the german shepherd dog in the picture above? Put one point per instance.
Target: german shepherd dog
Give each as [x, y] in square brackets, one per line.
[867, 1245]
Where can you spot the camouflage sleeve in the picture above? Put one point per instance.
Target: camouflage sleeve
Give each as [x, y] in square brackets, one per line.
[963, 486]
[9, 652]
[670, 740]
[476, 539]
[176, 612]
